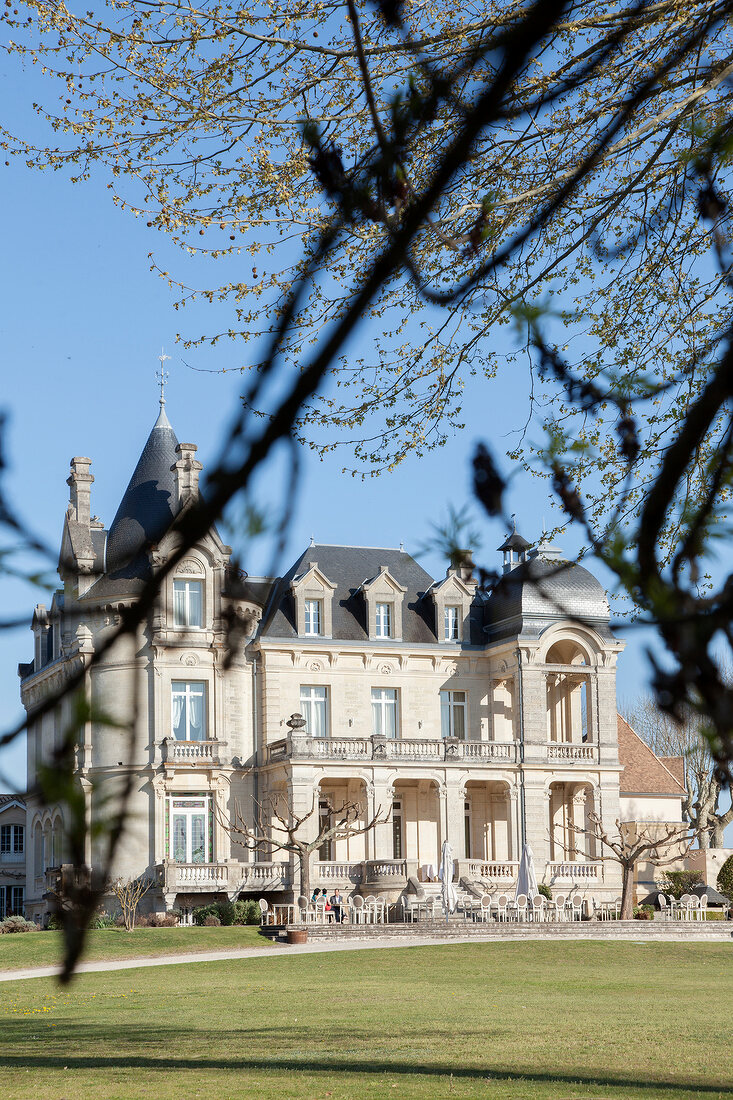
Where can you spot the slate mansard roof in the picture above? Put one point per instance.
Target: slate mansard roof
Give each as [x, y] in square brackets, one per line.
[348, 567]
[543, 590]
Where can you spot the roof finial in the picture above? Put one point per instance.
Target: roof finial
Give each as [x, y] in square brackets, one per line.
[161, 376]
[402, 547]
[514, 523]
[313, 541]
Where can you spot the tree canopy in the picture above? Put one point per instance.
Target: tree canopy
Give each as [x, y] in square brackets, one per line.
[573, 201]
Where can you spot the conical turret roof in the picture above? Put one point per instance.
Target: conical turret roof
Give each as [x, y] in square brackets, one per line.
[148, 505]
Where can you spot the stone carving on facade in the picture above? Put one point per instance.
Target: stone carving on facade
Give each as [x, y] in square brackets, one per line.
[385, 669]
[189, 566]
[315, 666]
[190, 659]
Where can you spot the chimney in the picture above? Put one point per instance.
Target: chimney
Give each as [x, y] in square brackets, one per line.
[461, 563]
[186, 471]
[80, 488]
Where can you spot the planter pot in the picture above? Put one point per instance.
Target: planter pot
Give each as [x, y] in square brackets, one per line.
[297, 935]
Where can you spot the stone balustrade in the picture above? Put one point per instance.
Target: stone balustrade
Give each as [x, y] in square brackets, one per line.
[193, 877]
[273, 875]
[569, 871]
[335, 872]
[377, 748]
[191, 752]
[571, 753]
[497, 870]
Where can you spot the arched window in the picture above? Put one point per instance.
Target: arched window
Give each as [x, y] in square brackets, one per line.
[568, 694]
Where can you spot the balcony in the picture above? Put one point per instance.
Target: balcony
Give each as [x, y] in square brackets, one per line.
[570, 753]
[333, 873]
[497, 870]
[192, 878]
[569, 871]
[205, 753]
[265, 876]
[383, 748]
[12, 859]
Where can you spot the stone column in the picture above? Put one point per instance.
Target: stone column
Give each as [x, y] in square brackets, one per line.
[454, 803]
[380, 796]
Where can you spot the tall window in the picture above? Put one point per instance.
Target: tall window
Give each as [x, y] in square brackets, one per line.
[313, 616]
[189, 710]
[188, 603]
[12, 838]
[191, 829]
[397, 838]
[450, 624]
[17, 900]
[453, 714]
[384, 620]
[467, 828]
[384, 712]
[314, 708]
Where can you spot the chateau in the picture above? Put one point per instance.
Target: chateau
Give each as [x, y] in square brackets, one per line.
[484, 719]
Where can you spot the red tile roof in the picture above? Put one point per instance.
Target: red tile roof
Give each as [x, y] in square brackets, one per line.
[645, 772]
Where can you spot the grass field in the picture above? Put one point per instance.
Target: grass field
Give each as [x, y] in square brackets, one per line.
[544, 1020]
[44, 948]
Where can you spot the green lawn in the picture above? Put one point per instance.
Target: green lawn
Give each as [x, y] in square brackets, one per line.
[504, 1020]
[44, 948]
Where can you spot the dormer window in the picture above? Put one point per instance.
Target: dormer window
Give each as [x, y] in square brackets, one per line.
[451, 624]
[383, 620]
[313, 598]
[313, 616]
[188, 603]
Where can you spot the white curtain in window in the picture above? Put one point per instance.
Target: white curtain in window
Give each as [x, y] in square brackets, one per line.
[196, 716]
[195, 601]
[179, 727]
[179, 603]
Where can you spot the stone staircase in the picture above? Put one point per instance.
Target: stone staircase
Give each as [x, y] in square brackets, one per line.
[456, 928]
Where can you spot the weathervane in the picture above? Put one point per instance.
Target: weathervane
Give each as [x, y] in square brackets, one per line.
[161, 376]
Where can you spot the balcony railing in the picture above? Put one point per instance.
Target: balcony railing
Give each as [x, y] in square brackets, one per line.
[191, 752]
[497, 870]
[334, 872]
[571, 753]
[575, 872]
[197, 876]
[12, 857]
[265, 876]
[381, 870]
[385, 748]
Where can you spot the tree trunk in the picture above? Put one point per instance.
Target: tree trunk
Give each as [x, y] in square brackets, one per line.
[717, 838]
[304, 858]
[627, 891]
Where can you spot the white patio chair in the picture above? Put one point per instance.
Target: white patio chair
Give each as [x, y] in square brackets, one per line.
[664, 907]
[358, 905]
[684, 907]
[520, 907]
[538, 908]
[703, 910]
[304, 913]
[483, 912]
[559, 908]
[466, 906]
[502, 904]
[370, 909]
[576, 903]
[265, 912]
[694, 907]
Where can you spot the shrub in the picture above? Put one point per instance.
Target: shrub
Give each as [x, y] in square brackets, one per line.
[211, 921]
[164, 920]
[200, 915]
[101, 920]
[545, 890]
[678, 883]
[247, 912]
[644, 912]
[17, 924]
[54, 923]
[725, 878]
[225, 912]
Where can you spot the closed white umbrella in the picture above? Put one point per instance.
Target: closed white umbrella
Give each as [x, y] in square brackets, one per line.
[526, 878]
[448, 891]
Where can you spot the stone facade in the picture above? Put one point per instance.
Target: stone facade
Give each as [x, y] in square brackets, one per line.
[483, 719]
